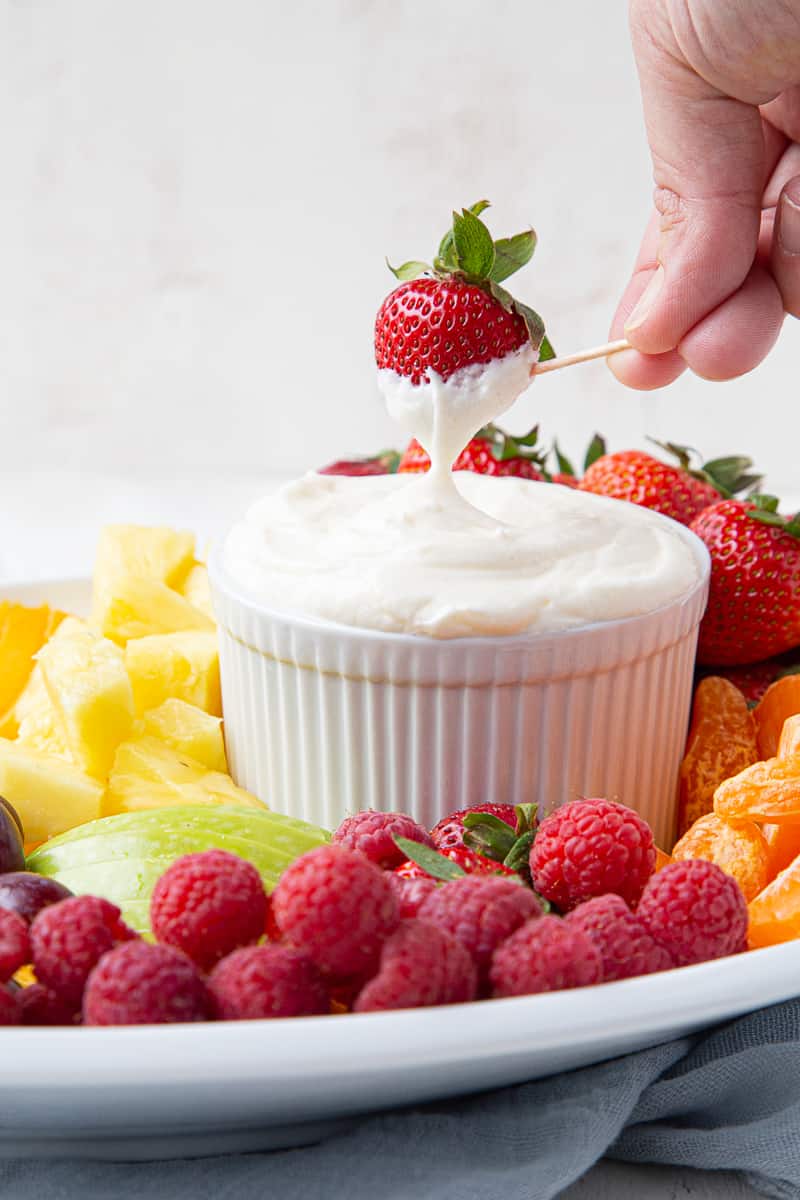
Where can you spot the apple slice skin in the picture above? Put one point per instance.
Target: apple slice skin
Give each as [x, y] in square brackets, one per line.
[121, 857]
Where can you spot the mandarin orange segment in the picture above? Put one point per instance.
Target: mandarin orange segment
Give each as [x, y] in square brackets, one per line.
[23, 632]
[790, 737]
[766, 791]
[780, 701]
[783, 846]
[740, 850]
[722, 741]
[662, 859]
[775, 912]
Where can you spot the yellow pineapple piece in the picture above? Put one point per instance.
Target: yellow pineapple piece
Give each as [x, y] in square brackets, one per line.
[23, 632]
[180, 665]
[91, 694]
[136, 608]
[50, 796]
[188, 731]
[197, 589]
[142, 551]
[149, 774]
[40, 731]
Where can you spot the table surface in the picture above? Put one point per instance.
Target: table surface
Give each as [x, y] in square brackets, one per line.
[48, 529]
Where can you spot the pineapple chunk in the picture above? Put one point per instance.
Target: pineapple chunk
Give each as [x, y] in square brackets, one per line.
[136, 608]
[149, 774]
[197, 590]
[50, 796]
[91, 694]
[183, 665]
[144, 552]
[40, 731]
[189, 731]
[23, 632]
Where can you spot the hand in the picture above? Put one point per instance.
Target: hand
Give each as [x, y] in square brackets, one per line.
[720, 260]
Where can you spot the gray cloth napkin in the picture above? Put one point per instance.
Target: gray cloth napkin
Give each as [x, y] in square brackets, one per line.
[729, 1099]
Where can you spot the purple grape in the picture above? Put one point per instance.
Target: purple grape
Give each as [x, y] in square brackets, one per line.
[26, 893]
[12, 839]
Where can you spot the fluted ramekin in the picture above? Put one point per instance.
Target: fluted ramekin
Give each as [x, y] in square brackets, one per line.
[324, 719]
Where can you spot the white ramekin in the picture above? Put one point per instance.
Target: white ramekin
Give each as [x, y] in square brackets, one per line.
[324, 719]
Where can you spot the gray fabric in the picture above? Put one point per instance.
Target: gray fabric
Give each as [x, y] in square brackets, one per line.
[728, 1099]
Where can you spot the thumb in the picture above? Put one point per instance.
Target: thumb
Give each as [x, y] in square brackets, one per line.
[786, 246]
[708, 161]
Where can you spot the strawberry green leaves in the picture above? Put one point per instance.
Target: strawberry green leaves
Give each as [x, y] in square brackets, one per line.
[474, 248]
[408, 270]
[731, 475]
[431, 862]
[511, 254]
[766, 512]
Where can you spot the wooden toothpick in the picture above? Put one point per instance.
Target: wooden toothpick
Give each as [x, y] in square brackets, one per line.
[568, 360]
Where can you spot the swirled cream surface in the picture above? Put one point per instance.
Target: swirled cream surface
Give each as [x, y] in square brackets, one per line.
[396, 553]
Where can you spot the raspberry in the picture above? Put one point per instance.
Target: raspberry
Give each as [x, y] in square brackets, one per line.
[15, 946]
[449, 832]
[208, 904]
[420, 965]
[626, 948]
[40, 1006]
[588, 848]
[544, 955]
[481, 911]
[141, 984]
[9, 1006]
[267, 981]
[337, 907]
[412, 890]
[695, 910]
[373, 832]
[69, 938]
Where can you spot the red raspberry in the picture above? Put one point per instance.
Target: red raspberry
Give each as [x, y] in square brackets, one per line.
[449, 831]
[625, 946]
[373, 832]
[337, 907]
[15, 946]
[695, 910]
[267, 981]
[481, 911]
[208, 904]
[412, 890]
[591, 847]
[142, 984]
[420, 965]
[544, 955]
[40, 1006]
[9, 1006]
[67, 940]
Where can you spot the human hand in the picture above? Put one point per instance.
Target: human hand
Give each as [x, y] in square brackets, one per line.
[719, 263]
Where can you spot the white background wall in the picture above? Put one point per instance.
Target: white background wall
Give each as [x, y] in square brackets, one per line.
[196, 197]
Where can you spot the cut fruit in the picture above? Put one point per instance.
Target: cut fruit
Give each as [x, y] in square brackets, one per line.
[138, 608]
[775, 912]
[662, 859]
[180, 665]
[50, 796]
[149, 774]
[189, 731]
[790, 737]
[780, 701]
[142, 552]
[722, 741]
[197, 589]
[120, 858]
[741, 850]
[783, 846]
[36, 718]
[23, 632]
[767, 791]
[91, 694]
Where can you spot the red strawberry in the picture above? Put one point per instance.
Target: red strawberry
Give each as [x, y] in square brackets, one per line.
[455, 314]
[754, 605]
[449, 831]
[491, 452]
[675, 491]
[466, 862]
[385, 463]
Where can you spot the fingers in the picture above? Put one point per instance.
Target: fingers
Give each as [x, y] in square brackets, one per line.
[642, 371]
[709, 163]
[734, 338]
[785, 255]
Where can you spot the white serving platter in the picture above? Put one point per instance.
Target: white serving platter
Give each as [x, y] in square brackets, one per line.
[178, 1090]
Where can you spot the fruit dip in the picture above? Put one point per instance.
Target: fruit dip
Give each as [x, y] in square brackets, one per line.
[455, 554]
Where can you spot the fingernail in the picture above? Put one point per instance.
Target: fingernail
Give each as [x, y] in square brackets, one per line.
[648, 297]
[789, 225]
